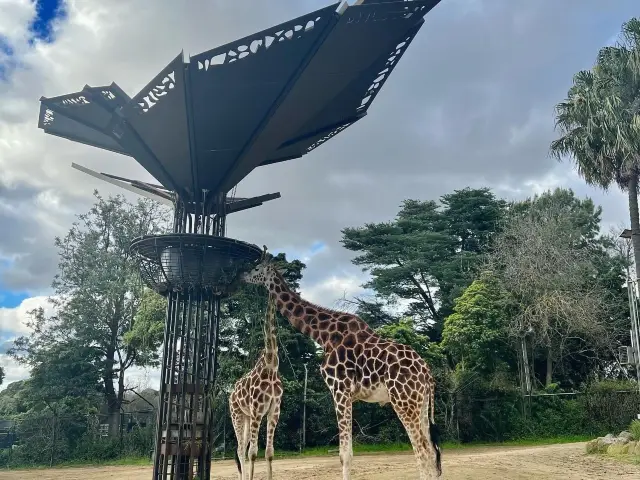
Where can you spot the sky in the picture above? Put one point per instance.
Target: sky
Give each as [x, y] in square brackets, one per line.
[470, 104]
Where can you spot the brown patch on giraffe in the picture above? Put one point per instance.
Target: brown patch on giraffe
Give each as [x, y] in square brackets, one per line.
[406, 362]
[289, 306]
[277, 289]
[335, 338]
[332, 359]
[354, 326]
[323, 316]
[298, 310]
[362, 336]
[323, 325]
[310, 311]
[349, 341]
[285, 297]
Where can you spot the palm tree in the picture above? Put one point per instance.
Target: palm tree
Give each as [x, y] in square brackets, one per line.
[600, 123]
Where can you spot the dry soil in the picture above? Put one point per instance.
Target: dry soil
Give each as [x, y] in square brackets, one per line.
[567, 462]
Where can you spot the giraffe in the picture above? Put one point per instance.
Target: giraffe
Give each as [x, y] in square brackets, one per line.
[256, 394]
[360, 365]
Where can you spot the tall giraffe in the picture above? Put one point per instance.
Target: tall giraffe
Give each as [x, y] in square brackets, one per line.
[256, 394]
[360, 365]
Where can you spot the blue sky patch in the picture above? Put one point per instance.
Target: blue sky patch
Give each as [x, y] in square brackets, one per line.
[317, 247]
[46, 12]
[10, 299]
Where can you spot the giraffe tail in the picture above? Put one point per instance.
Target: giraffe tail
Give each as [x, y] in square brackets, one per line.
[238, 462]
[434, 431]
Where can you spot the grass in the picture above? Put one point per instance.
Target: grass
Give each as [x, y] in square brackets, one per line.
[405, 447]
[333, 450]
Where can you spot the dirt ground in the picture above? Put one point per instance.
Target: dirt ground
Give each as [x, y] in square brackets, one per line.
[568, 462]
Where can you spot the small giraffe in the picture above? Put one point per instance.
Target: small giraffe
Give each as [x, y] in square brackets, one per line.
[360, 365]
[257, 393]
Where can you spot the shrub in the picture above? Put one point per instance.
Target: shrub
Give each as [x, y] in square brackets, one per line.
[634, 429]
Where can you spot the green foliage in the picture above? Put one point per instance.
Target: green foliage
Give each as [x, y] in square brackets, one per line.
[427, 255]
[634, 429]
[404, 332]
[97, 296]
[477, 332]
[146, 334]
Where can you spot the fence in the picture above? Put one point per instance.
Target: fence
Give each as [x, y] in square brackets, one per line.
[41, 438]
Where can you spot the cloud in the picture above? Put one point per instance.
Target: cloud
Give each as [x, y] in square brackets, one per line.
[14, 320]
[13, 371]
[471, 103]
[331, 291]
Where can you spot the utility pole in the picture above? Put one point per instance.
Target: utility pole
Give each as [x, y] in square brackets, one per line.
[633, 353]
[304, 412]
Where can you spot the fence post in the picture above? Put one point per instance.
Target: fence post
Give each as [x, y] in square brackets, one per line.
[53, 439]
[304, 412]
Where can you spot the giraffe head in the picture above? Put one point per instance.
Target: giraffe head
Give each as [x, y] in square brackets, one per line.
[263, 273]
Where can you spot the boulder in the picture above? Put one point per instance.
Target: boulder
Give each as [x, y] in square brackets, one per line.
[625, 437]
[594, 446]
[615, 449]
[636, 451]
[628, 448]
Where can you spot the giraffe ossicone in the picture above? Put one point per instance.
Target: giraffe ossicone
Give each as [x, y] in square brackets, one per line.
[360, 365]
[256, 394]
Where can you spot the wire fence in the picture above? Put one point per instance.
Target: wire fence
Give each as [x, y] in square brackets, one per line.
[47, 438]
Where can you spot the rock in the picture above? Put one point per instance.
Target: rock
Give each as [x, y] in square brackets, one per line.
[626, 436]
[615, 449]
[637, 449]
[593, 446]
[628, 448]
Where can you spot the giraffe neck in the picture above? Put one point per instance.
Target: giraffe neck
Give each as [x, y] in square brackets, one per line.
[270, 339]
[325, 326]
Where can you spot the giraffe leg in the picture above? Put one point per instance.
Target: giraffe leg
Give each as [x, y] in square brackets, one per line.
[241, 427]
[343, 405]
[272, 423]
[411, 415]
[254, 427]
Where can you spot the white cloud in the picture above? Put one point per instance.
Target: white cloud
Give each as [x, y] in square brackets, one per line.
[330, 291]
[13, 320]
[14, 20]
[13, 371]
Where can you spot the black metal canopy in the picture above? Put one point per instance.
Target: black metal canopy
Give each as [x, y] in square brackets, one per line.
[205, 124]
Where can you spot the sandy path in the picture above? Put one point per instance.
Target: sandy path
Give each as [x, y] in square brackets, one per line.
[541, 463]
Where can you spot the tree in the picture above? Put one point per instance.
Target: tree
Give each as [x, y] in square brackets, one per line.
[147, 332]
[1, 375]
[600, 126]
[97, 296]
[404, 332]
[428, 254]
[476, 334]
[546, 259]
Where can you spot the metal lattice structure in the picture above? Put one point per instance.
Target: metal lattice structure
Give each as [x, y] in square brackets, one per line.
[200, 127]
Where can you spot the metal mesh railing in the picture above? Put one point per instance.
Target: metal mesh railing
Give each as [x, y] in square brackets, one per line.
[178, 262]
